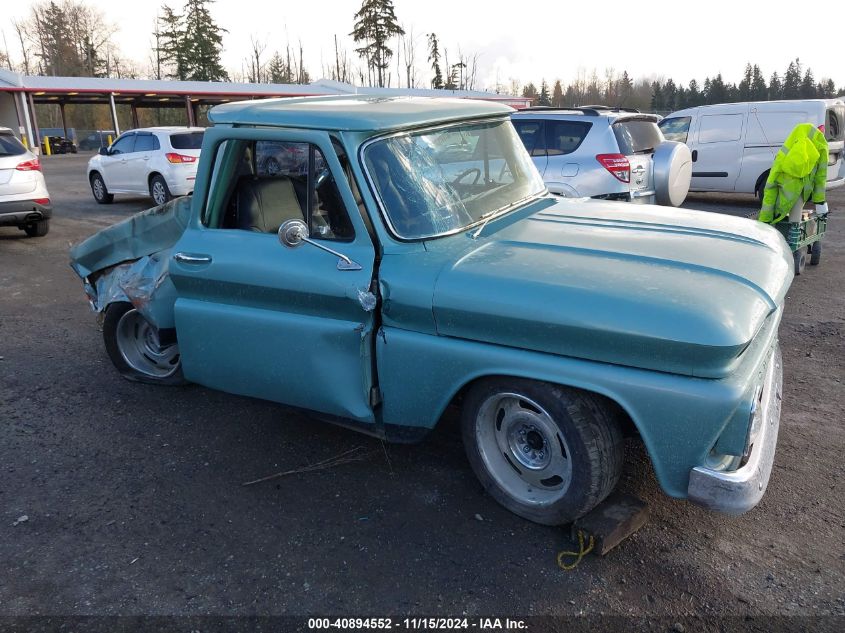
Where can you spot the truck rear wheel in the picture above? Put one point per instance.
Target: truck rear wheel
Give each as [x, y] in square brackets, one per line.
[547, 453]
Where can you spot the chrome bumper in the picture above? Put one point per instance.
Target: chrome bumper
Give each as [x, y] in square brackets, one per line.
[740, 490]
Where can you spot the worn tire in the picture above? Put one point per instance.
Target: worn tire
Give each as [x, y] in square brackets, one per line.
[589, 434]
[118, 353]
[37, 229]
[816, 253]
[159, 191]
[98, 188]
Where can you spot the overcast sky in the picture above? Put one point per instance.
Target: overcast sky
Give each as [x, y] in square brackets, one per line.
[527, 41]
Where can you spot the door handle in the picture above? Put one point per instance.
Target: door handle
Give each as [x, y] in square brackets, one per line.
[694, 155]
[186, 258]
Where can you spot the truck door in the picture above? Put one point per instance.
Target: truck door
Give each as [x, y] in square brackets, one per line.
[254, 317]
[717, 158]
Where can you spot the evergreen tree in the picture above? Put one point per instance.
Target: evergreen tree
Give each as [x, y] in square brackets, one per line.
[530, 90]
[827, 89]
[792, 80]
[775, 87]
[279, 70]
[544, 98]
[626, 88]
[670, 94]
[202, 44]
[744, 88]
[759, 91]
[569, 97]
[718, 92]
[557, 95]
[657, 102]
[434, 58]
[170, 36]
[808, 86]
[375, 24]
[694, 97]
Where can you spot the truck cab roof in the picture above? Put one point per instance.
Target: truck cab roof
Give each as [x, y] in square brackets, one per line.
[353, 112]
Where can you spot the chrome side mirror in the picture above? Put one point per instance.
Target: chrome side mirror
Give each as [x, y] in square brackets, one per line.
[292, 233]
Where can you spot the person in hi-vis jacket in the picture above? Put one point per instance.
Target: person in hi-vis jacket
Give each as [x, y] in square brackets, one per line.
[798, 174]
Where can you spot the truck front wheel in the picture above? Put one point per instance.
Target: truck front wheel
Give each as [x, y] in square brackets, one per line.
[133, 346]
[547, 453]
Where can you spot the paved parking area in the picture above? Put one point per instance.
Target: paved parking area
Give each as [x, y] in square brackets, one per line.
[135, 505]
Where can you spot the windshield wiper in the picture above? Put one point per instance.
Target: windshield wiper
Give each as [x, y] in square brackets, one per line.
[486, 217]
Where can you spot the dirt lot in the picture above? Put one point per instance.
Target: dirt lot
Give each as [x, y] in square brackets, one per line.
[135, 506]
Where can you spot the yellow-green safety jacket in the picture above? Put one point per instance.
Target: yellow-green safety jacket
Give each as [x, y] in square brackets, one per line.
[799, 170]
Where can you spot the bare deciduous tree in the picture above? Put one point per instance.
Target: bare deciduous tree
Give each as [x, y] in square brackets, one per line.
[257, 70]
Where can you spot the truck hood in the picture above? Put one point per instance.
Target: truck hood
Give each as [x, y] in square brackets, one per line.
[644, 286]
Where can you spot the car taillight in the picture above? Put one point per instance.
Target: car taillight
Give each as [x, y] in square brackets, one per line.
[617, 165]
[29, 165]
[42, 201]
[180, 158]
[821, 128]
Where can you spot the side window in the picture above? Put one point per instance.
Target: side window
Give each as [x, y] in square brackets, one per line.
[271, 182]
[718, 128]
[531, 135]
[564, 137]
[146, 143]
[123, 145]
[675, 129]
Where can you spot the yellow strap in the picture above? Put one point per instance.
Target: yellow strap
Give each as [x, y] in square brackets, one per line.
[579, 554]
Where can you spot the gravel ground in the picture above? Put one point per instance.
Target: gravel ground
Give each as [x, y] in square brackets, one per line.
[135, 506]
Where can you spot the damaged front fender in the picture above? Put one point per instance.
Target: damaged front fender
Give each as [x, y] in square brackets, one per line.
[129, 261]
[145, 283]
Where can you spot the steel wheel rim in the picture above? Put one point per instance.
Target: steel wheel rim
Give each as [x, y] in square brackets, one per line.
[140, 347]
[158, 192]
[523, 449]
[99, 189]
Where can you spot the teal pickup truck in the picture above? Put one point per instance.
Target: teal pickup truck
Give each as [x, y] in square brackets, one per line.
[400, 255]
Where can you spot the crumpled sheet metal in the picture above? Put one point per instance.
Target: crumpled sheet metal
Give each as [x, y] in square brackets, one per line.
[145, 233]
[367, 300]
[145, 283]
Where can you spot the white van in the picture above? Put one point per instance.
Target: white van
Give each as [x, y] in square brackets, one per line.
[733, 145]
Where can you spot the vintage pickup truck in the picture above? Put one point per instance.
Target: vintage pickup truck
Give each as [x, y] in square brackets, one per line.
[402, 255]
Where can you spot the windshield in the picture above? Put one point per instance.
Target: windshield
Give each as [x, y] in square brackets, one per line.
[440, 181]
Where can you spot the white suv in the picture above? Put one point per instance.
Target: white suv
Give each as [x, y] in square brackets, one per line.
[600, 152]
[24, 201]
[158, 161]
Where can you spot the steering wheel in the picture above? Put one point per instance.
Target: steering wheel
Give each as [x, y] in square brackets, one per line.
[321, 177]
[466, 173]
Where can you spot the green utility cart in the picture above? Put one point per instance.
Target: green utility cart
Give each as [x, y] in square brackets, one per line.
[804, 238]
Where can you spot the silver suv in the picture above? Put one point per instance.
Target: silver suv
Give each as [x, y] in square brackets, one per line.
[600, 152]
